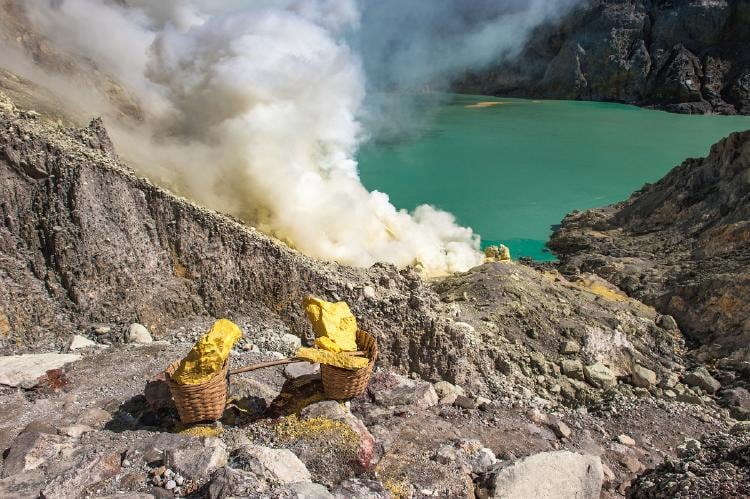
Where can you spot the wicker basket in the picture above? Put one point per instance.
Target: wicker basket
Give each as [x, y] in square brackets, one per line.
[341, 383]
[201, 402]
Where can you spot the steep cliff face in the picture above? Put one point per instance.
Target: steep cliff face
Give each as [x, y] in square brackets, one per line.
[682, 245]
[682, 56]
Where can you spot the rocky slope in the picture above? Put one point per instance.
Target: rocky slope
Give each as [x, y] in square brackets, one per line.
[86, 244]
[682, 56]
[681, 245]
[485, 378]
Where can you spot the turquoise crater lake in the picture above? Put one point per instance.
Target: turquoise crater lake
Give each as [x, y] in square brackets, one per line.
[512, 169]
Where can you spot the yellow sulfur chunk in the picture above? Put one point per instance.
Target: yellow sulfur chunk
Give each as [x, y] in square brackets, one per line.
[208, 355]
[332, 359]
[334, 321]
[327, 343]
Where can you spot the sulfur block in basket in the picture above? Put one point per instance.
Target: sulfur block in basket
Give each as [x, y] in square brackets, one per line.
[208, 355]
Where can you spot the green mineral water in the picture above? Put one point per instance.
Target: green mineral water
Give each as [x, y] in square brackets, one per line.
[511, 169]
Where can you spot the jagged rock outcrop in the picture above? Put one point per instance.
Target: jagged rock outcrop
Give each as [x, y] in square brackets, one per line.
[684, 56]
[681, 245]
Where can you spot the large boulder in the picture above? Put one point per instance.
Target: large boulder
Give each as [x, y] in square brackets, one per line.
[549, 475]
[276, 466]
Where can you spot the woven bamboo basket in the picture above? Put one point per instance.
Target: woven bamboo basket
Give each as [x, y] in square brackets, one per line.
[341, 383]
[201, 402]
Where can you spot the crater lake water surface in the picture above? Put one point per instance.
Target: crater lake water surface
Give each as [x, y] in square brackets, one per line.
[512, 171]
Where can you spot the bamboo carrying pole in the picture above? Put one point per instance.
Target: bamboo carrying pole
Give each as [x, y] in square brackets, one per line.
[281, 362]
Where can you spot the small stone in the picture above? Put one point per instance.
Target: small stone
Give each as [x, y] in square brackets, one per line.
[483, 402]
[443, 389]
[667, 322]
[559, 428]
[79, 342]
[568, 347]
[137, 333]
[298, 369]
[329, 409]
[291, 341]
[600, 376]
[465, 402]
[702, 379]
[643, 377]
[369, 292]
[626, 440]
[670, 380]
[171, 484]
[102, 330]
[572, 369]
[281, 466]
[75, 430]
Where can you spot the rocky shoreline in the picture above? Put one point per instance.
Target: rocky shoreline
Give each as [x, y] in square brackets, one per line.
[486, 379]
[684, 57]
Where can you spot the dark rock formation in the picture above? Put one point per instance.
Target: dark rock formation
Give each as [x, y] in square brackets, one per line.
[681, 245]
[682, 56]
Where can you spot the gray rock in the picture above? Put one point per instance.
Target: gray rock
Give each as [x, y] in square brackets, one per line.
[299, 369]
[24, 370]
[737, 400]
[702, 379]
[568, 347]
[329, 409]
[79, 342]
[572, 369]
[643, 377]
[291, 342]
[465, 402]
[600, 376]
[626, 440]
[667, 322]
[30, 450]
[406, 392]
[361, 489]
[467, 454]
[230, 482]
[444, 389]
[308, 490]
[194, 458]
[23, 485]
[277, 466]
[549, 475]
[79, 478]
[559, 428]
[137, 333]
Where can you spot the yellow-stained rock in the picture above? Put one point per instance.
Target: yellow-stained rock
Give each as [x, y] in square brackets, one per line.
[333, 321]
[332, 359]
[209, 354]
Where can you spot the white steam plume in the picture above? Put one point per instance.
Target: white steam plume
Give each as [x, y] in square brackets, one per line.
[253, 107]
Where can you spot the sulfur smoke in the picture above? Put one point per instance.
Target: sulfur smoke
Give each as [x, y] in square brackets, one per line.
[255, 108]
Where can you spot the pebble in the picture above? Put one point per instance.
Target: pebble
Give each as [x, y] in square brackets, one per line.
[626, 440]
[137, 333]
[170, 484]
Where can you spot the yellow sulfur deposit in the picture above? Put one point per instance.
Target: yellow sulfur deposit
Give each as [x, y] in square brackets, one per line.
[208, 355]
[327, 343]
[332, 359]
[334, 322]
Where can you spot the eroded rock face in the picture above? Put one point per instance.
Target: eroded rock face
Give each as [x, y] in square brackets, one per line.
[687, 57]
[681, 245]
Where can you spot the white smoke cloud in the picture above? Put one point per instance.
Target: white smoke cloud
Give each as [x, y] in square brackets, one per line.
[254, 108]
